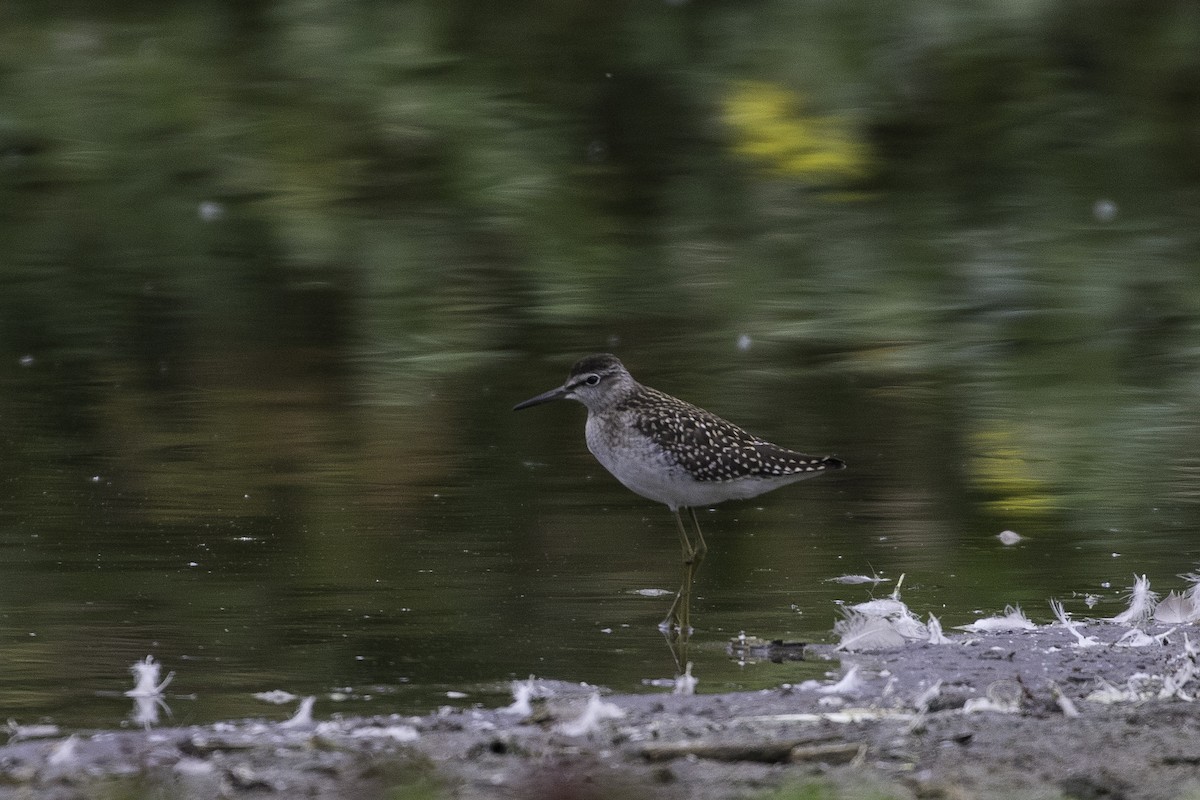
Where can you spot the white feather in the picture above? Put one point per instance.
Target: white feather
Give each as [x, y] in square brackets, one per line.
[1013, 619]
[882, 607]
[522, 694]
[1138, 638]
[926, 697]
[977, 704]
[1073, 627]
[852, 580]
[596, 712]
[1192, 592]
[1141, 604]
[858, 632]
[1177, 609]
[303, 718]
[910, 627]
[146, 683]
[1066, 704]
[849, 684]
[934, 627]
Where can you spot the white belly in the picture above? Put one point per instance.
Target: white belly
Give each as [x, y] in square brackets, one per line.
[642, 467]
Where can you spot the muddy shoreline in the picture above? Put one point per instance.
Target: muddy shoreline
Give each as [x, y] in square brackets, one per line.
[1029, 714]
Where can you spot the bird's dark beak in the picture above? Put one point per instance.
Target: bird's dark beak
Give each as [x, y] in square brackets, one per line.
[544, 397]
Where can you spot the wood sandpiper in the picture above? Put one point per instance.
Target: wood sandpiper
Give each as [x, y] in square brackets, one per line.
[674, 452]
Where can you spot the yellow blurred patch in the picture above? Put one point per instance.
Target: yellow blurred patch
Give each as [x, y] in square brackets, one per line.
[770, 126]
[999, 468]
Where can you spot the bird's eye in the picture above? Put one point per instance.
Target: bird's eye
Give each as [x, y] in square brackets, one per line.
[592, 380]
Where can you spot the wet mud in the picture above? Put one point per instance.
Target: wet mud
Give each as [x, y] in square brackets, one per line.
[1040, 713]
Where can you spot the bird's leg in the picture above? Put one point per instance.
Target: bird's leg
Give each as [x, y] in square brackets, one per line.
[677, 641]
[672, 621]
[684, 540]
[678, 618]
[693, 555]
[701, 547]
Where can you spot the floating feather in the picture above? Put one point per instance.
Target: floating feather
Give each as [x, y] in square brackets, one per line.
[146, 683]
[854, 580]
[1009, 538]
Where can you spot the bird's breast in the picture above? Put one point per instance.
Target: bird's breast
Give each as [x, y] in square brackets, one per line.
[636, 460]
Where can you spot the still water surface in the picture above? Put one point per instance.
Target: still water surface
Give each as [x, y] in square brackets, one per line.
[379, 556]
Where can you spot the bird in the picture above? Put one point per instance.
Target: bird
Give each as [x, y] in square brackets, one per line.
[673, 452]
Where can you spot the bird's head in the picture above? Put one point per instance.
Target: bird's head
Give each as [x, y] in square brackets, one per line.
[597, 381]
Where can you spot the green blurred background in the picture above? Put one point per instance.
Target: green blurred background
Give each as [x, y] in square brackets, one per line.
[273, 273]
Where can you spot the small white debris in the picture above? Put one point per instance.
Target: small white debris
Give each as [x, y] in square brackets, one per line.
[303, 718]
[1002, 696]
[64, 753]
[1009, 538]
[854, 580]
[1108, 694]
[275, 697]
[1013, 619]
[17, 732]
[194, 767]
[977, 704]
[596, 712]
[523, 692]
[1066, 704]
[922, 701]
[1176, 684]
[146, 683]
[1135, 637]
[1061, 614]
[1104, 210]
[210, 211]
[1141, 686]
[397, 733]
[934, 626]
[849, 684]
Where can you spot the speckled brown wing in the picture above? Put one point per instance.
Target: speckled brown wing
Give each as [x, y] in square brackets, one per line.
[714, 449]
